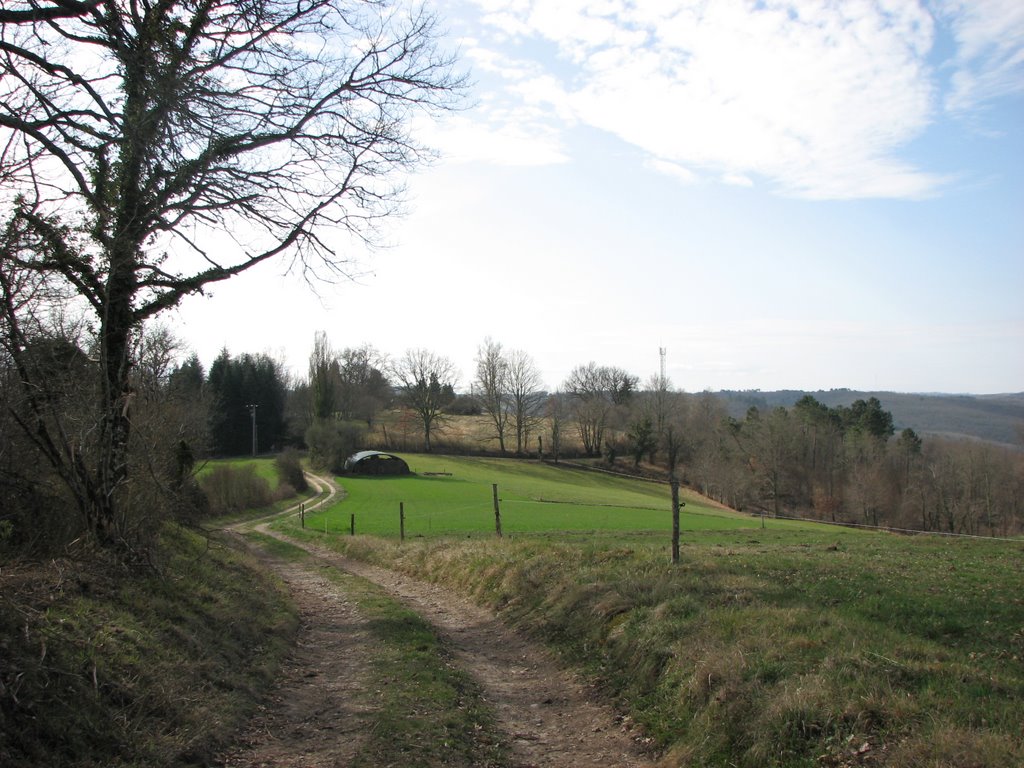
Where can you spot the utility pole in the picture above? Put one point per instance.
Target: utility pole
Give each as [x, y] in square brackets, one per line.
[252, 412]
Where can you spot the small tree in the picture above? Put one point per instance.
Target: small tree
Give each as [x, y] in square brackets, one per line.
[324, 377]
[363, 388]
[332, 442]
[642, 439]
[427, 383]
[524, 394]
[595, 393]
[491, 387]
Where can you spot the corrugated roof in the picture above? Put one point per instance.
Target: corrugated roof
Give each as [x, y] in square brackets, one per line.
[355, 458]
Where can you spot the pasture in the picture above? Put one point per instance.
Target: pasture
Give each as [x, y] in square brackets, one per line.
[453, 496]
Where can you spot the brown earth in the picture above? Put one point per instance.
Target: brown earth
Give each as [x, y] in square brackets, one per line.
[315, 716]
[547, 715]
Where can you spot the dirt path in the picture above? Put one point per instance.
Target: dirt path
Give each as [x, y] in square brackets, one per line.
[314, 718]
[550, 718]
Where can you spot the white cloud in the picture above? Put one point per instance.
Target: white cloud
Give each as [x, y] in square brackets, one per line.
[678, 172]
[990, 50]
[816, 98]
[500, 139]
[738, 180]
[804, 102]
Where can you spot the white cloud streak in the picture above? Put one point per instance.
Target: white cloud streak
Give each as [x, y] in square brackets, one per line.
[989, 62]
[815, 98]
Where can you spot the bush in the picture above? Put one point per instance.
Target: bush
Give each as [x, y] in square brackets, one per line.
[289, 469]
[331, 442]
[464, 405]
[233, 489]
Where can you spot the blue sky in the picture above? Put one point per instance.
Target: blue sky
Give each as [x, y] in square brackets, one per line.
[782, 194]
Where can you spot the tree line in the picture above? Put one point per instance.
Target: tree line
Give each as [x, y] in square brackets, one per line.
[844, 464]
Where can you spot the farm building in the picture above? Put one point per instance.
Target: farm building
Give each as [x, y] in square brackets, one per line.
[376, 463]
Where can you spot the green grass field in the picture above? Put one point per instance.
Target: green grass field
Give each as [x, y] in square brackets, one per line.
[453, 496]
[798, 645]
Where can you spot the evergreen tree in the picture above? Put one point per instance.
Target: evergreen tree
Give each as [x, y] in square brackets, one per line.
[236, 385]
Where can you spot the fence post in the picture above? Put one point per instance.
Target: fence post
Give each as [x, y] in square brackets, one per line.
[497, 510]
[302, 514]
[353, 524]
[675, 520]
[401, 521]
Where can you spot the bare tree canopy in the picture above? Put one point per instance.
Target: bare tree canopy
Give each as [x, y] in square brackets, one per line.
[266, 120]
[132, 133]
[491, 386]
[595, 391]
[427, 382]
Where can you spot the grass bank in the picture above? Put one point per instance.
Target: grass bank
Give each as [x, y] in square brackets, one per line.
[104, 666]
[769, 648]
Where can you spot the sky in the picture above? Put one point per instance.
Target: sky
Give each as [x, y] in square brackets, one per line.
[783, 194]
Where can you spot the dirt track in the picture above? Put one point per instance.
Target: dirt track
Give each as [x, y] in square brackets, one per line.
[548, 717]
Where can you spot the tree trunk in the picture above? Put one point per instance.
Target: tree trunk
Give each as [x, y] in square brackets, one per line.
[115, 412]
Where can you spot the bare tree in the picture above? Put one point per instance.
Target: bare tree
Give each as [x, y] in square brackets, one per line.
[554, 409]
[133, 133]
[491, 384]
[427, 382]
[364, 388]
[595, 391]
[524, 395]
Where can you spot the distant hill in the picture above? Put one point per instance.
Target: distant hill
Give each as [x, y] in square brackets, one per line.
[995, 418]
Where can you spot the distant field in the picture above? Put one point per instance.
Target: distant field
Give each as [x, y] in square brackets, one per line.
[453, 496]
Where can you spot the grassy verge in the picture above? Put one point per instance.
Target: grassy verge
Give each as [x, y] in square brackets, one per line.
[426, 712]
[771, 648]
[104, 666]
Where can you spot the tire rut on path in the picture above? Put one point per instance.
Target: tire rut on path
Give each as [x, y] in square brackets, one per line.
[315, 717]
[551, 719]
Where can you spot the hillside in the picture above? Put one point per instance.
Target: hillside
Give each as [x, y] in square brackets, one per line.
[995, 418]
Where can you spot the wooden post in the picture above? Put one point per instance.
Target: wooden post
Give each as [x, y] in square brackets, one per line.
[353, 524]
[497, 510]
[675, 521]
[302, 514]
[401, 521]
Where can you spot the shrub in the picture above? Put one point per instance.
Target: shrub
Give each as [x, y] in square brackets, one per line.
[232, 489]
[331, 442]
[289, 469]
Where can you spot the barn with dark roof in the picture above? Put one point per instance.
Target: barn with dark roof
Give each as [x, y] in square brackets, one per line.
[376, 463]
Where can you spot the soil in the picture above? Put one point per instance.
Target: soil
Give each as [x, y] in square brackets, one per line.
[549, 717]
[314, 718]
